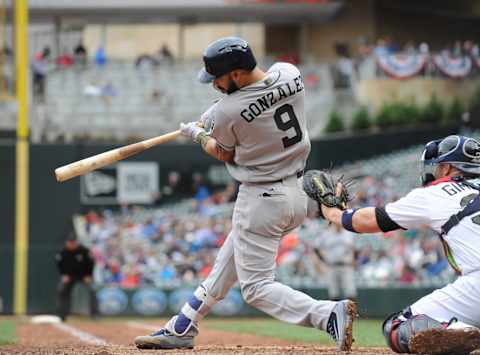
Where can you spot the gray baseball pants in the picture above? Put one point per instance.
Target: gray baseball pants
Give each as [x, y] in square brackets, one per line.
[263, 214]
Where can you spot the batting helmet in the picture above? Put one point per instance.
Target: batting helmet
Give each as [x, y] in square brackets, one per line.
[223, 56]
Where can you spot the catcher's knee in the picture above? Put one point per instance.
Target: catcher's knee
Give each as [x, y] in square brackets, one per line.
[400, 327]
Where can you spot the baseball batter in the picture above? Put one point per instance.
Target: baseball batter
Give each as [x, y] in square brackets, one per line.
[259, 130]
[446, 321]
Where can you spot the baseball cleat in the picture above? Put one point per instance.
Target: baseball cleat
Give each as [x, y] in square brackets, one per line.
[438, 341]
[340, 324]
[163, 339]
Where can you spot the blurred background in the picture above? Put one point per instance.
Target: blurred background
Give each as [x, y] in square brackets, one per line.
[383, 77]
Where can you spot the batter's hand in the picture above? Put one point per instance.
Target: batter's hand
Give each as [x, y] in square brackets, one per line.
[208, 124]
[191, 130]
[207, 119]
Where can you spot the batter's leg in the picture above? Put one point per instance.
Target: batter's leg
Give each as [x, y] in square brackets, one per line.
[255, 262]
[180, 330]
[219, 281]
[265, 214]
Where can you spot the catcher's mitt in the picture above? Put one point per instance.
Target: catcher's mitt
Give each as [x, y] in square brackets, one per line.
[322, 187]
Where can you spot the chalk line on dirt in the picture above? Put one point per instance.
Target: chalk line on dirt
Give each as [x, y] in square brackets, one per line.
[81, 335]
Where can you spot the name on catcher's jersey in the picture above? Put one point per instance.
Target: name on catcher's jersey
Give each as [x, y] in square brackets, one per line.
[431, 207]
[264, 123]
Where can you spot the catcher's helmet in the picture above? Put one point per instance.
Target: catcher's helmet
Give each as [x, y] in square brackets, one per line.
[460, 151]
[223, 56]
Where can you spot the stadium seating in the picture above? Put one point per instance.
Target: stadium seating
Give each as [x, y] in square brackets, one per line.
[121, 101]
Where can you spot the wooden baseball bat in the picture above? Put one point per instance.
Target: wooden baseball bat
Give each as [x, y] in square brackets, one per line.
[94, 162]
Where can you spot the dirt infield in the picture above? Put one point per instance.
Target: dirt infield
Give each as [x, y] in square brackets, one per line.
[107, 337]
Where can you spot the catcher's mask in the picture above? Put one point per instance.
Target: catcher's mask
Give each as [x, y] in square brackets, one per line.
[461, 152]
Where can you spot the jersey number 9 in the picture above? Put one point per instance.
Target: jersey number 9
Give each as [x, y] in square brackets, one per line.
[285, 125]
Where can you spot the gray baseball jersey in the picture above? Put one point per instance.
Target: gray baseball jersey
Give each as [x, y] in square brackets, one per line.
[264, 123]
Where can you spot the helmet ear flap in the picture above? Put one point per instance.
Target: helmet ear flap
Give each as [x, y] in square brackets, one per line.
[431, 150]
[471, 149]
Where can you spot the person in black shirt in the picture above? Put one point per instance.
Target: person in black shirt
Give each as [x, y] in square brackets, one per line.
[75, 264]
[80, 55]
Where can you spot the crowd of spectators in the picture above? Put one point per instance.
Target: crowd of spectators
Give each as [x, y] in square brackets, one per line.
[345, 69]
[78, 58]
[162, 247]
[350, 66]
[386, 45]
[175, 245]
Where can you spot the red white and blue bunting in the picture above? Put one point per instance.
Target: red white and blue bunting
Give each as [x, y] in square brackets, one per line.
[402, 66]
[457, 68]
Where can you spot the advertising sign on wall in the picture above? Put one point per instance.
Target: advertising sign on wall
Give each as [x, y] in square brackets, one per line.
[137, 182]
[149, 301]
[126, 182]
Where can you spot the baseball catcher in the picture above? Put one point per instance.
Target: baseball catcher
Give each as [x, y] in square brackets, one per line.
[447, 320]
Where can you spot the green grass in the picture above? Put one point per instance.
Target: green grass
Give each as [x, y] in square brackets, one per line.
[7, 332]
[366, 332]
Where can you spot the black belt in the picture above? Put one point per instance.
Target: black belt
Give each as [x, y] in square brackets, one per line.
[299, 175]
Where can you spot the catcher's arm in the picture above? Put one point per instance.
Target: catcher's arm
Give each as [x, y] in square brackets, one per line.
[333, 196]
[364, 220]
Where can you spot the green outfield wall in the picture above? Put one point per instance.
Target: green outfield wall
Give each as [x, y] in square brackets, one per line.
[7, 225]
[155, 302]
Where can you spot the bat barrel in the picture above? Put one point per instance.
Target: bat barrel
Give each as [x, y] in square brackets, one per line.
[89, 164]
[72, 170]
[65, 172]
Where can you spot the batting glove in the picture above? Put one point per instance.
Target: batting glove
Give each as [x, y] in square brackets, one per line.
[207, 120]
[191, 130]
[208, 125]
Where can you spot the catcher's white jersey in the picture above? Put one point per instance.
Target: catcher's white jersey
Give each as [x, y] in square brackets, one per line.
[264, 123]
[432, 206]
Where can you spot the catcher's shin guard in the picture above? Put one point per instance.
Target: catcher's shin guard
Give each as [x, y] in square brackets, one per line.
[400, 327]
[192, 311]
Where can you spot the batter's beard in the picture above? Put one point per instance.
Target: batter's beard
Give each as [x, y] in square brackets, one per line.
[232, 87]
